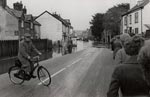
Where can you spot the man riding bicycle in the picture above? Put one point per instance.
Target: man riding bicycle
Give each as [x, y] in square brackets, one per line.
[26, 48]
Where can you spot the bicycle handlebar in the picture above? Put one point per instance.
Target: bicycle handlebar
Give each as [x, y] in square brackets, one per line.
[35, 59]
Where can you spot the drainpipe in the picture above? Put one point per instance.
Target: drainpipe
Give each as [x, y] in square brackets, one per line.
[141, 20]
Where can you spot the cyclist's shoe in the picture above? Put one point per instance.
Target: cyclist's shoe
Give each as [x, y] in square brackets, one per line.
[33, 76]
[18, 75]
[27, 77]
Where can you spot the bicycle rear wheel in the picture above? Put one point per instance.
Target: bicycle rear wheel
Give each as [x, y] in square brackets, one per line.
[44, 76]
[15, 70]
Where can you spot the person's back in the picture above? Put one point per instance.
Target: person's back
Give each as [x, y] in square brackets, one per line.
[129, 78]
[132, 82]
[116, 45]
[121, 56]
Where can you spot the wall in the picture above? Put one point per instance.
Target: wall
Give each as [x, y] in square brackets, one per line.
[11, 27]
[51, 27]
[2, 23]
[7, 63]
[8, 26]
[146, 16]
[37, 30]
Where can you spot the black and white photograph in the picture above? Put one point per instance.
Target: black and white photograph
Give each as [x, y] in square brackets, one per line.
[74, 48]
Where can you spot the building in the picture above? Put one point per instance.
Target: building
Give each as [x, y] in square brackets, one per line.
[37, 29]
[53, 26]
[14, 22]
[137, 19]
[31, 26]
[10, 22]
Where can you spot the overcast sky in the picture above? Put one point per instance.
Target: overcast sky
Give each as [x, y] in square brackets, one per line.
[78, 11]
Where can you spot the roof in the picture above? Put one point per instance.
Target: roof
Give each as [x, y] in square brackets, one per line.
[14, 12]
[55, 16]
[36, 23]
[147, 25]
[28, 17]
[136, 7]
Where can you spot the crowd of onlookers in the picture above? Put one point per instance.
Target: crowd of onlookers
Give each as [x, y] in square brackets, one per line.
[132, 72]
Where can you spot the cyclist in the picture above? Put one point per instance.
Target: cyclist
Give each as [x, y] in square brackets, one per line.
[26, 48]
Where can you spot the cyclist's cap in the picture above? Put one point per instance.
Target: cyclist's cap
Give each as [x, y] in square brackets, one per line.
[27, 35]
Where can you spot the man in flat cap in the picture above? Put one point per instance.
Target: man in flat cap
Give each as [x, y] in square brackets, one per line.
[26, 48]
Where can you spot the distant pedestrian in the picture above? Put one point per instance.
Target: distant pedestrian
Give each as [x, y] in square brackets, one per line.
[64, 46]
[70, 45]
[129, 77]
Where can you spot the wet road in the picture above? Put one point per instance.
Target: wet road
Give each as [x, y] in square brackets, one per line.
[80, 46]
[85, 73]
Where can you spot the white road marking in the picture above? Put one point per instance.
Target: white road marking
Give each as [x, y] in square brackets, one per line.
[74, 62]
[53, 75]
[60, 71]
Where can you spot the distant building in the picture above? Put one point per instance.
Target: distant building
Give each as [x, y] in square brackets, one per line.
[10, 22]
[53, 27]
[14, 22]
[137, 19]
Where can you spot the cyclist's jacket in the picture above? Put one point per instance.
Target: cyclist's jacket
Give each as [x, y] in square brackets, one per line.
[25, 50]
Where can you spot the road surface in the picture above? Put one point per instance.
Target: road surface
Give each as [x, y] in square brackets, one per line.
[85, 73]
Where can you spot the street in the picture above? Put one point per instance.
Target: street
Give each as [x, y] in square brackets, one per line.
[85, 73]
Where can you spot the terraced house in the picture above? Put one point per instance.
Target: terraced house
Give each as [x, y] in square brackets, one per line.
[14, 22]
[137, 19]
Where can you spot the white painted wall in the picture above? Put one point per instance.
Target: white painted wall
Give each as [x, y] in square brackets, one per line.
[8, 25]
[133, 24]
[123, 25]
[51, 28]
[146, 16]
[37, 30]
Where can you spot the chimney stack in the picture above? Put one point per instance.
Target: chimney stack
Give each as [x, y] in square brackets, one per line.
[24, 10]
[139, 2]
[3, 3]
[18, 6]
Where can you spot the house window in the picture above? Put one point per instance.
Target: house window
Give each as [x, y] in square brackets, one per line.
[130, 19]
[22, 24]
[136, 30]
[136, 17]
[125, 31]
[31, 25]
[125, 20]
[16, 33]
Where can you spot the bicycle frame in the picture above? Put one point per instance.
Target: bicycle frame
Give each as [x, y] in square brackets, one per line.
[37, 65]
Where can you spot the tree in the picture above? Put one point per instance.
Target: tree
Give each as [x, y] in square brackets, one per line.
[112, 18]
[97, 26]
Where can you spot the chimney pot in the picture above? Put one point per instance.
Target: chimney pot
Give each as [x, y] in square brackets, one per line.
[3, 3]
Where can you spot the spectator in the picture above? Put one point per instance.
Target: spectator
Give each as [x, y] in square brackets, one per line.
[121, 56]
[116, 46]
[144, 60]
[128, 77]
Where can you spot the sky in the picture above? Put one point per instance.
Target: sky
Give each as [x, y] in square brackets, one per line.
[79, 12]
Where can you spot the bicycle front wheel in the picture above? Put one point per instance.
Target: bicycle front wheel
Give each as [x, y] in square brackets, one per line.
[13, 72]
[44, 76]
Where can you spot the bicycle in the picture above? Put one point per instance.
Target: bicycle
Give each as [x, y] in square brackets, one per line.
[42, 73]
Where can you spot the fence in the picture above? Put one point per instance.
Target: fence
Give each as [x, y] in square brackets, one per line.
[9, 48]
